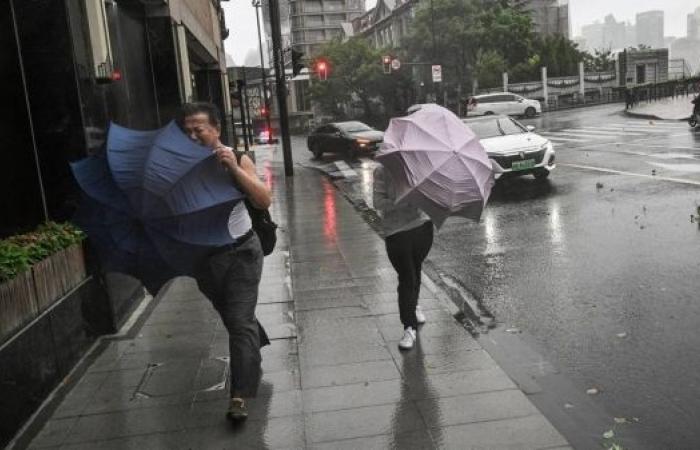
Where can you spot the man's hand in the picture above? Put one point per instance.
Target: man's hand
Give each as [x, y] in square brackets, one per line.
[227, 158]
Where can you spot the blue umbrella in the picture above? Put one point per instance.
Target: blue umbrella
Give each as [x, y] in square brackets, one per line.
[156, 204]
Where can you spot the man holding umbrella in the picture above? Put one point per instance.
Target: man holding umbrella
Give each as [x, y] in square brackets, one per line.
[230, 275]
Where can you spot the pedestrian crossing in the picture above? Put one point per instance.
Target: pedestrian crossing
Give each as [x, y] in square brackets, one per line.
[611, 132]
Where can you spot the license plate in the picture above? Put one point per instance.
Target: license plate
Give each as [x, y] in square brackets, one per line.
[523, 165]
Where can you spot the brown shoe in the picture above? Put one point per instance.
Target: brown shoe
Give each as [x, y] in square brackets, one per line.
[237, 411]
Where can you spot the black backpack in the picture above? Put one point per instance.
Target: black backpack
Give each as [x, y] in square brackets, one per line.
[262, 222]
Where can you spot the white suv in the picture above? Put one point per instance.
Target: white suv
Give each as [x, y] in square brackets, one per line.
[502, 103]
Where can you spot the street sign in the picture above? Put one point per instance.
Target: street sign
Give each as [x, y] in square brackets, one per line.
[395, 64]
[437, 73]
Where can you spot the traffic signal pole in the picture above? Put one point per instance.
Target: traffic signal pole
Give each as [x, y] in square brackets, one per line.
[257, 4]
[278, 65]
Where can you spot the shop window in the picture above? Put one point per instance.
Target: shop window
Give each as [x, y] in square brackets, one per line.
[100, 47]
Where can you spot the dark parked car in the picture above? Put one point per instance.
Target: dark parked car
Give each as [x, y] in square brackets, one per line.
[350, 138]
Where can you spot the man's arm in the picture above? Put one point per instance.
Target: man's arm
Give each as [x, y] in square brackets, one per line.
[245, 177]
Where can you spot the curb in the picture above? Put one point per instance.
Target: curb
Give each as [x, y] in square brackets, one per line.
[651, 116]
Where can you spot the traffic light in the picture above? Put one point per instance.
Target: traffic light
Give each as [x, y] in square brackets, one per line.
[322, 67]
[297, 63]
[263, 111]
[386, 63]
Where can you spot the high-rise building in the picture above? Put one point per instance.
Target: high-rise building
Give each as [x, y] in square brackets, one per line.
[604, 36]
[315, 22]
[650, 29]
[694, 24]
[548, 16]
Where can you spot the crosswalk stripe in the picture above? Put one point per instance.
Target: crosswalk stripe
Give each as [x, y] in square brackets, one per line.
[623, 128]
[606, 133]
[345, 169]
[576, 135]
[656, 125]
[556, 138]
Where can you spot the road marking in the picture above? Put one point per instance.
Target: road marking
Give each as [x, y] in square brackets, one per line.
[621, 172]
[623, 128]
[345, 169]
[555, 138]
[656, 125]
[607, 133]
[576, 135]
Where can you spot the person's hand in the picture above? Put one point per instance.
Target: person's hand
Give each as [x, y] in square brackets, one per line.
[226, 157]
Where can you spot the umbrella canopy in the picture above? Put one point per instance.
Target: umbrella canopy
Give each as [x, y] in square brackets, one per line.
[155, 204]
[437, 164]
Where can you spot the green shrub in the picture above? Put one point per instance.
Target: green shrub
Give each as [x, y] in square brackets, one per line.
[19, 252]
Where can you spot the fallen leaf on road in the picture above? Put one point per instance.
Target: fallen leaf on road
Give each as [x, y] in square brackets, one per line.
[620, 420]
[599, 185]
[593, 391]
[621, 335]
[513, 330]
[568, 405]
[609, 434]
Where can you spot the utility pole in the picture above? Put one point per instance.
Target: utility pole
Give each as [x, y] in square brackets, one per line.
[281, 86]
[241, 104]
[257, 4]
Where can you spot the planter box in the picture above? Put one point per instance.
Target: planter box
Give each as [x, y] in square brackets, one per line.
[58, 274]
[18, 304]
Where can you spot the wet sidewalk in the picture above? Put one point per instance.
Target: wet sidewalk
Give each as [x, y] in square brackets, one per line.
[333, 376]
[678, 108]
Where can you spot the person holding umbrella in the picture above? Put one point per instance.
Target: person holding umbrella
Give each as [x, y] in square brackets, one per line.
[432, 167]
[230, 275]
[408, 234]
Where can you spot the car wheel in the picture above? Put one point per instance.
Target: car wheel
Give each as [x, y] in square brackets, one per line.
[541, 174]
[530, 111]
[317, 152]
[488, 113]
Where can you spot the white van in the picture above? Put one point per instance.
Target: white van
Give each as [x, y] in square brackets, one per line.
[502, 103]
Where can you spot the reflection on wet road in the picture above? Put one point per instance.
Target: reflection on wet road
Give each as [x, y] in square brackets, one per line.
[598, 266]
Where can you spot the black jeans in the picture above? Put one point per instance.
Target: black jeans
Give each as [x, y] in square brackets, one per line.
[230, 279]
[407, 251]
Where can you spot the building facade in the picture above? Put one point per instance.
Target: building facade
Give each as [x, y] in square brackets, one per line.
[315, 22]
[650, 29]
[694, 24]
[69, 68]
[639, 67]
[549, 16]
[609, 35]
[386, 24]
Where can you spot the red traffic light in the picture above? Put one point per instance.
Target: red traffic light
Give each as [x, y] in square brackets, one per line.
[263, 111]
[387, 59]
[322, 68]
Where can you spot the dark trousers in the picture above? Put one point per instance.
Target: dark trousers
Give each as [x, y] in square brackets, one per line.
[407, 251]
[230, 279]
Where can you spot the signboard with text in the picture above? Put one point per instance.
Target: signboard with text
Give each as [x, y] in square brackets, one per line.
[437, 73]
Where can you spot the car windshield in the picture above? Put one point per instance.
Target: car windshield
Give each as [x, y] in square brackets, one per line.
[498, 126]
[353, 126]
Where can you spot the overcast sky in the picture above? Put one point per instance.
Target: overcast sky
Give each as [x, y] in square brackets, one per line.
[243, 40]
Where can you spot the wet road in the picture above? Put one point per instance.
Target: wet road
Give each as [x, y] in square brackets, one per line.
[596, 269]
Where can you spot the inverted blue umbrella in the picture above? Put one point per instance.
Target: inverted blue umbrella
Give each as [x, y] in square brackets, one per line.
[155, 204]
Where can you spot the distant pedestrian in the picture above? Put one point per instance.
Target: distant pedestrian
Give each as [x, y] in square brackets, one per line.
[408, 234]
[230, 275]
[628, 98]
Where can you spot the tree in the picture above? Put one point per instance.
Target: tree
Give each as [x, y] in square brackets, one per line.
[468, 33]
[600, 61]
[356, 79]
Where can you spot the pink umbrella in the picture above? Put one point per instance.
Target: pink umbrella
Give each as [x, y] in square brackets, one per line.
[437, 164]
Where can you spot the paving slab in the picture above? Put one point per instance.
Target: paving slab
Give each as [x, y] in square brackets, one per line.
[333, 377]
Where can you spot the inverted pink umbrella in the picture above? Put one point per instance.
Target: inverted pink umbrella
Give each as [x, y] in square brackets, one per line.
[437, 164]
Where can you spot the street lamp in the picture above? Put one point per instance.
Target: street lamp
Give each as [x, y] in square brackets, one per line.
[257, 4]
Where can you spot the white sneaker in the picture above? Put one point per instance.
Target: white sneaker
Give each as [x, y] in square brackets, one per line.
[420, 317]
[408, 339]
